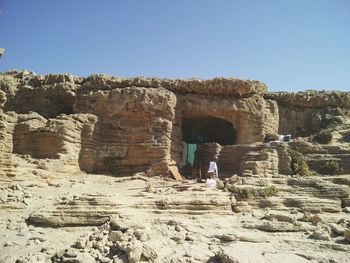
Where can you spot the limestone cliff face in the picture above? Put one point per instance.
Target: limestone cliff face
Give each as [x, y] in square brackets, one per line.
[216, 86]
[252, 117]
[133, 131]
[304, 113]
[49, 95]
[103, 124]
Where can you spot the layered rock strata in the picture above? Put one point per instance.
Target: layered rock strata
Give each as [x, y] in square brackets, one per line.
[58, 131]
[103, 124]
[134, 124]
[304, 113]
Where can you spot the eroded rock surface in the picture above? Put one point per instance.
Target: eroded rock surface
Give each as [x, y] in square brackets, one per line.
[176, 222]
[135, 124]
[304, 113]
[64, 140]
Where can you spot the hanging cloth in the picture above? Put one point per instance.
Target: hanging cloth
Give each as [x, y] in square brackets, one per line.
[213, 168]
[184, 155]
[191, 153]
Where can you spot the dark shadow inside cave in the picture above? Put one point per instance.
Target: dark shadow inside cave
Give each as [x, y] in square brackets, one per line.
[207, 130]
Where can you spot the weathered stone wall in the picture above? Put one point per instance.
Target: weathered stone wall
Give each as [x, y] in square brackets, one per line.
[304, 113]
[6, 130]
[103, 124]
[48, 95]
[31, 136]
[216, 86]
[56, 138]
[231, 157]
[133, 131]
[252, 117]
[239, 159]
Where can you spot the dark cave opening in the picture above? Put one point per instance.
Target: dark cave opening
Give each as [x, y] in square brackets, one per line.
[207, 130]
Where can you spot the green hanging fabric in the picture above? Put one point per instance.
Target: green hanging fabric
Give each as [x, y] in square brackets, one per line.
[191, 153]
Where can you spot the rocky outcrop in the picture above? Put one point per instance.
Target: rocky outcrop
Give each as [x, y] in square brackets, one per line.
[6, 130]
[313, 194]
[216, 86]
[48, 95]
[104, 124]
[252, 117]
[142, 219]
[304, 113]
[133, 131]
[58, 133]
[258, 160]
[312, 99]
[75, 211]
[329, 158]
[260, 163]
[235, 254]
[109, 125]
[32, 136]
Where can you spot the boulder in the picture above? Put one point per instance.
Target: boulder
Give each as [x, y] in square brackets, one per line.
[239, 253]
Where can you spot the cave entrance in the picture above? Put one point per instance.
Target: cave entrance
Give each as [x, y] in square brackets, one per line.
[208, 130]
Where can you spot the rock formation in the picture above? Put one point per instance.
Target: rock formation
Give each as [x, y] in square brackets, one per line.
[77, 153]
[124, 125]
[305, 113]
[118, 126]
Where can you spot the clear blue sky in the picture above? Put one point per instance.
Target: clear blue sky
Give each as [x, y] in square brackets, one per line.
[289, 45]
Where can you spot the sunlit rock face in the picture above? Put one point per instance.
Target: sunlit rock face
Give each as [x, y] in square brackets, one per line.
[64, 140]
[305, 113]
[108, 125]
